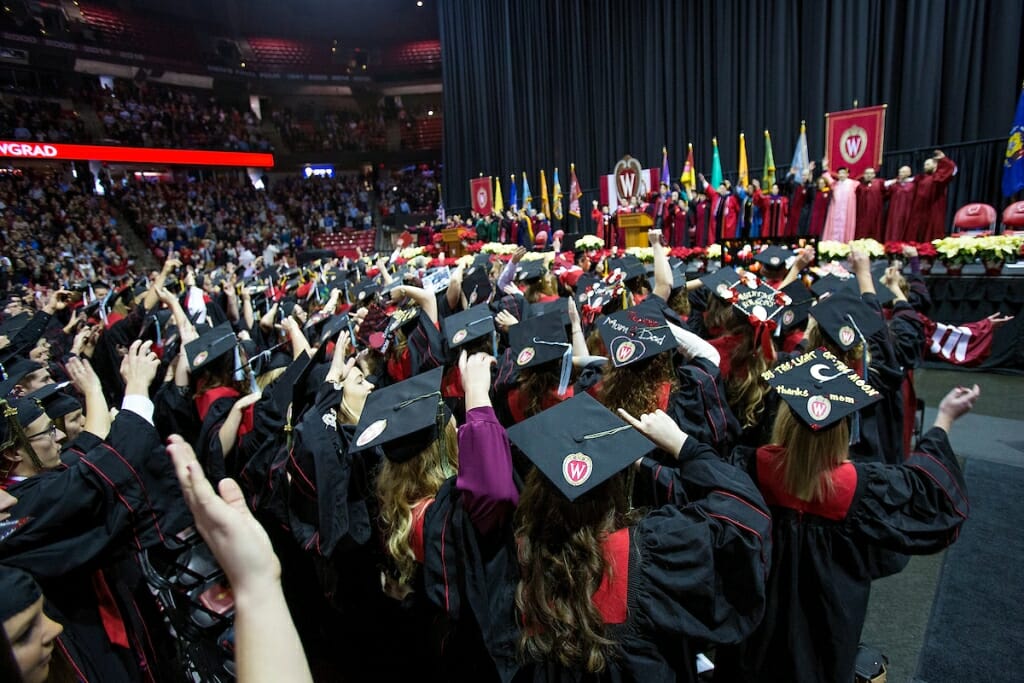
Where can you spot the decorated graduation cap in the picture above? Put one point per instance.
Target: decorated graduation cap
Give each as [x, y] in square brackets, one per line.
[721, 282]
[578, 444]
[477, 286]
[820, 389]
[467, 326]
[630, 267]
[800, 301]
[773, 257]
[846, 319]
[758, 302]
[404, 418]
[210, 346]
[55, 402]
[539, 340]
[634, 335]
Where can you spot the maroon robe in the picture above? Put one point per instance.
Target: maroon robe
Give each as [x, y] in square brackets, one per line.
[928, 217]
[870, 196]
[901, 201]
[774, 213]
[796, 206]
[818, 212]
[704, 221]
[729, 213]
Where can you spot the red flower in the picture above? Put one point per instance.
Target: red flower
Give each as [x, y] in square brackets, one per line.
[894, 248]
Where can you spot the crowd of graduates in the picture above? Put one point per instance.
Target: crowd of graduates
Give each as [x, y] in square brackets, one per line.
[557, 465]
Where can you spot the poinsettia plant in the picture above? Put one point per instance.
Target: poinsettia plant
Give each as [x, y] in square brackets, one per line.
[589, 242]
[830, 250]
[956, 251]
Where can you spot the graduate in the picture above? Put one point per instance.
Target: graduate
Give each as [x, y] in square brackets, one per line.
[837, 522]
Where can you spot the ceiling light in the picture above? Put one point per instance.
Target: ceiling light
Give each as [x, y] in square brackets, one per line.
[419, 3]
[430, 113]
[242, 65]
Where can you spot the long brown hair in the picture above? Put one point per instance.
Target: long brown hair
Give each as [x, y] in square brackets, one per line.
[401, 485]
[634, 388]
[809, 456]
[562, 564]
[547, 285]
[816, 339]
[535, 384]
[744, 389]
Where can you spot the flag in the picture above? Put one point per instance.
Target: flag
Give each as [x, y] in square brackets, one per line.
[801, 159]
[854, 138]
[499, 203]
[480, 192]
[716, 164]
[545, 203]
[441, 217]
[666, 174]
[574, 192]
[610, 189]
[558, 195]
[768, 177]
[513, 196]
[689, 177]
[744, 178]
[1013, 166]
[527, 197]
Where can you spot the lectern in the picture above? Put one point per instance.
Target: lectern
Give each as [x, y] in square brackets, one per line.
[635, 227]
[452, 243]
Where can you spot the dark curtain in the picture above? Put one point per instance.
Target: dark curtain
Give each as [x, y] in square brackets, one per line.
[531, 84]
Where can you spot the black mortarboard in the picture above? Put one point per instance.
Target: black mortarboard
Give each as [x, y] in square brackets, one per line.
[54, 401]
[579, 444]
[530, 271]
[18, 591]
[831, 283]
[481, 261]
[559, 307]
[365, 290]
[210, 346]
[761, 302]
[331, 328]
[773, 257]
[846, 319]
[26, 410]
[630, 266]
[466, 326]
[538, 340]
[820, 388]
[403, 419]
[290, 387]
[882, 292]
[800, 301]
[632, 336]
[721, 281]
[14, 371]
[12, 326]
[477, 286]
[586, 281]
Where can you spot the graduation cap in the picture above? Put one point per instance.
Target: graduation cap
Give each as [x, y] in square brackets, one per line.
[13, 325]
[585, 282]
[477, 286]
[800, 301]
[721, 282]
[365, 290]
[761, 302]
[630, 266]
[558, 308]
[540, 340]
[773, 257]
[14, 371]
[466, 326]
[578, 444]
[332, 327]
[210, 346]
[831, 283]
[633, 335]
[55, 402]
[481, 260]
[846, 319]
[290, 387]
[882, 291]
[23, 410]
[819, 388]
[404, 418]
[530, 271]
[18, 590]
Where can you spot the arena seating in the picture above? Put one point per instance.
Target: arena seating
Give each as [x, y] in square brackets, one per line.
[125, 30]
[346, 242]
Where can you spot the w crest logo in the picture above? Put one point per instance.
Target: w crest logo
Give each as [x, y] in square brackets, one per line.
[576, 469]
[853, 143]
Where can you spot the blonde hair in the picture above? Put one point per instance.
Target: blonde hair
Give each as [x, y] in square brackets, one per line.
[401, 485]
[267, 378]
[816, 339]
[808, 456]
[547, 285]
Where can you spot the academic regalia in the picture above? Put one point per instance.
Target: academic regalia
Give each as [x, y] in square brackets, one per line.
[692, 568]
[725, 209]
[841, 221]
[928, 216]
[901, 203]
[796, 225]
[819, 210]
[676, 226]
[907, 332]
[825, 555]
[704, 221]
[870, 198]
[775, 213]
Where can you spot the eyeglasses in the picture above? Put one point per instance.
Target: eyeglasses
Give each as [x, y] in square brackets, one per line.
[51, 431]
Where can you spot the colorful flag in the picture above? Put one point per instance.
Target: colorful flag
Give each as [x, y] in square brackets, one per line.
[513, 196]
[480, 192]
[801, 158]
[689, 176]
[666, 174]
[744, 178]
[527, 197]
[558, 195]
[1013, 166]
[768, 177]
[499, 203]
[574, 192]
[545, 203]
[716, 165]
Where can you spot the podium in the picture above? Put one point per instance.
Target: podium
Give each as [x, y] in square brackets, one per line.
[635, 227]
[452, 243]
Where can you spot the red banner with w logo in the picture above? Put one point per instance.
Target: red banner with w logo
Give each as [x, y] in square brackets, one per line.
[480, 191]
[854, 139]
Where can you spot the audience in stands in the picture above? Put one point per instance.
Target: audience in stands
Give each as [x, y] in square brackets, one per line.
[36, 120]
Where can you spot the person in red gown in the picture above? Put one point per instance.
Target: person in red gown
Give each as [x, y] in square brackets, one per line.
[774, 210]
[870, 200]
[725, 207]
[598, 218]
[928, 217]
[820, 208]
[703, 220]
[900, 191]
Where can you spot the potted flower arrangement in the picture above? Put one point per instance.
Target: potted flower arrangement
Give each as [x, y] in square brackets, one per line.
[830, 250]
[873, 248]
[927, 253]
[590, 242]
[955, 252]
[714, 257]
[995, 250]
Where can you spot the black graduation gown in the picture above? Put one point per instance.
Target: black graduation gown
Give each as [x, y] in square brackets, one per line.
[699, 405]
[697, 570]
[825, 556]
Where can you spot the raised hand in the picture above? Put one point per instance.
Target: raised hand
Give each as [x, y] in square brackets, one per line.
[956, 404]
[659, 428]
[138, 368]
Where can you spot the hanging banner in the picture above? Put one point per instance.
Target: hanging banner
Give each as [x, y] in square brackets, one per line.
[855, 138]
[480, 191]
[139, 155]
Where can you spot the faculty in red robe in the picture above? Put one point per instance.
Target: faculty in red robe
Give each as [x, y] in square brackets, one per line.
[774, 211]
[870, 199]
[901, 200]
[928, 218]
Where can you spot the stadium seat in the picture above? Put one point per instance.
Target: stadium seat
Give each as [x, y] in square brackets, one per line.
[1013, 216]
[976, 216]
